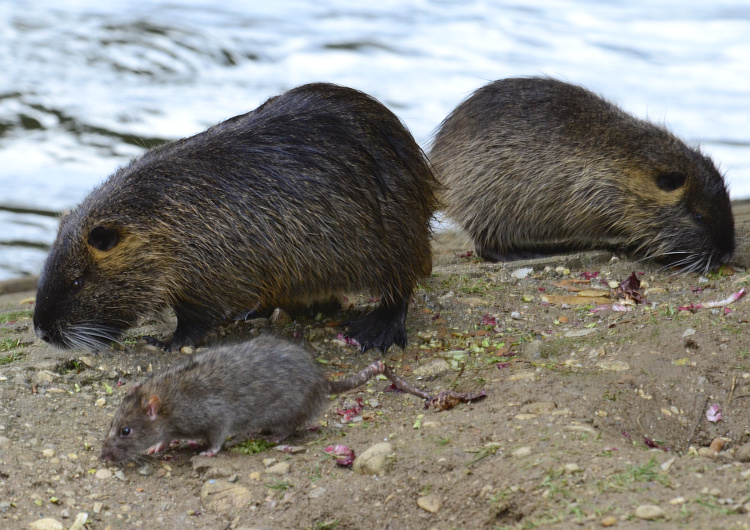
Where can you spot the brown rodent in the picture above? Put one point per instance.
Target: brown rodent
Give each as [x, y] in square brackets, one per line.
[264, 385]
[319, 191]
[533, 166]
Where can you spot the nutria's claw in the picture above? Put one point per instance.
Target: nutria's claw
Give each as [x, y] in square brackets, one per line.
[380, 328]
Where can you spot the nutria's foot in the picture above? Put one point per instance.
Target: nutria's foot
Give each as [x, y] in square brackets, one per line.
[381, 328]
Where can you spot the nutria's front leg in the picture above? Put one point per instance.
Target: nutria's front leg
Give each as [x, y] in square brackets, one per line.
[193, 323]
[380, 328]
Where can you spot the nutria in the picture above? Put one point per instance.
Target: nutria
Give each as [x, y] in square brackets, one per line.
[264, 385]
[319, 191]
[533, 166]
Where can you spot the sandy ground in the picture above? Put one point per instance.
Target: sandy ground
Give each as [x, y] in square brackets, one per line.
[592, 418]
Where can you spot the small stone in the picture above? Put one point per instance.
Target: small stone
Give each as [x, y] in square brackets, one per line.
[4, 441]
[649, 512]
[221, 496]
[145, 470]
[103, 474]
[430, 503]
[280, 317]
[533, 349]
[48, 453]
[668, 464]
[432, 368]
[187, 350]
[521, 452]
[608, 521]
[613, 366]
[46, 524]
[255, 475]
[100, 402]
[65, 514]
[579, 332]
[677, 501]
[742, 454]
[44, 377]
[654, 290]
[571, 468]
[525, 417]
[515, 315]
[79, 521]
[282, 468]
[234, 478]
[373, 461]
[268, 462]
[581, 428]
[520, 274]
[539, 407]
[98, 507]
[688, 332]
[612, 284]
[317, 493]
[528, 375]
[119, 475]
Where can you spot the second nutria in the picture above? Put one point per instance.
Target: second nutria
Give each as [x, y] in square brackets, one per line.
[264, 385]
[533, 166]
[319, 191]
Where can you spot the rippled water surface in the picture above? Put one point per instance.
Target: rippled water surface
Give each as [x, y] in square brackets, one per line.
[86, 85]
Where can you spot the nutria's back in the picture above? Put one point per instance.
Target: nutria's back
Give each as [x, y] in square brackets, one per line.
[318, 191]
[535, 165]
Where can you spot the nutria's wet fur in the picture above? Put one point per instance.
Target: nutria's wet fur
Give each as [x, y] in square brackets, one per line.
[266, 385]
[319, 191]
[533, 166]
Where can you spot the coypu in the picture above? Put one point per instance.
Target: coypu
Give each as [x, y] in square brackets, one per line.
[319, 191]
[264, 385]
[535, 166]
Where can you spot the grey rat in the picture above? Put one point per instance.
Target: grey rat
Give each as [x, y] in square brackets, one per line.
[264, 385]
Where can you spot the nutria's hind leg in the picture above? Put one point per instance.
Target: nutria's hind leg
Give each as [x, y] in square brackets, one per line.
[380, 328]
[193, 323]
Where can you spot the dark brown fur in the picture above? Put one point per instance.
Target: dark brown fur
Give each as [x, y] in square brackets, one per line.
[319, 191]
[265, 385]
[533, 166]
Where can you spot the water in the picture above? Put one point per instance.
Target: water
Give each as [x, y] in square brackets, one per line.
[87, 85]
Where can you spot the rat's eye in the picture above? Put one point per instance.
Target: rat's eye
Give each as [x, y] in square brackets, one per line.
[125, 431]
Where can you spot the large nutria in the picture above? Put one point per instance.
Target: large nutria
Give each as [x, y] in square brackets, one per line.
[319, 191]
[264, 385]
[533, 166]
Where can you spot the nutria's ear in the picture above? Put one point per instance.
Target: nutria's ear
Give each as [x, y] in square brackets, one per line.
[102, 238]
[152, 407]
[671, 181]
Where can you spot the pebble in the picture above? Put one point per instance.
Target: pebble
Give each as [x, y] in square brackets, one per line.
[103, 474]
[515, 315]
[100, 402]
[668, 464]
[317, 493]
[579, 332]
[572, 468]
[79, 521]
[187, 350]
[373, 461]
[533, 348]
[48, 453]
[521, 452]
[609, 521]
[46, 524]
[520, 274]
[688, 332]
[145, 470]
[649, 512]
[677, 501]
[432, 368]
[282, 468]
[280, 317]
[221, 496]
[98, 507]
[539, 407]
[119, 475]
[742, 454]
[430, 503]
[613, 366]
[525, 417]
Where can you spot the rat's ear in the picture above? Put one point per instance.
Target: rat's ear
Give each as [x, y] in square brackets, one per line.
[152, 407]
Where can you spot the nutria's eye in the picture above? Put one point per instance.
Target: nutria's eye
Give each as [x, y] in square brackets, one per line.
[76, 285]
[671, 181]
[125, 431]
[102, 238]
[698, 218]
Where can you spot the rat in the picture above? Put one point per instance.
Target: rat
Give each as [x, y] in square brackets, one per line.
[266, 385]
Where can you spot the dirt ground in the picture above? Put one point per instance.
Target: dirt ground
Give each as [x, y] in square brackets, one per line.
[592, 418]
